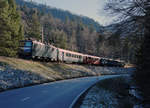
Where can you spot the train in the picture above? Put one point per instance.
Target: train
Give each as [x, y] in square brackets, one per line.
[40, 51]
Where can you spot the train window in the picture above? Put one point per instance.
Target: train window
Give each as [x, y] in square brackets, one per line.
[67, 54]
[75, 56]
[28, 44]
[72, 55]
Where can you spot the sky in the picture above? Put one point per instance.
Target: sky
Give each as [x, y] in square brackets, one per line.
[89, 8]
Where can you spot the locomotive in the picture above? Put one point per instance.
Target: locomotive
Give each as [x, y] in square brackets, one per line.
[37, 50]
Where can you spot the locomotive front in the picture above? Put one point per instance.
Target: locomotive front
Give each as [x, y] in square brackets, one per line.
[25, 49]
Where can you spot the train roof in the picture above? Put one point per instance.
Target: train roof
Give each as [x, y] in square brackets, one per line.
[38, 42]
[92, 56]
[43, 44]
[72, 52]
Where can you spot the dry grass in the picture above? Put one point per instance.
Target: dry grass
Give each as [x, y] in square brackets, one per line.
[48, 71]
[52, 70]
[34, 72]
[28, 65]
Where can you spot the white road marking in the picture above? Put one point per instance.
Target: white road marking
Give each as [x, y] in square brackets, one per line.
[24, 99]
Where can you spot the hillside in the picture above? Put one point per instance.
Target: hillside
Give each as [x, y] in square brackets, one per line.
[62, 14]
[72, 32]
[16, 72]
[61, 28]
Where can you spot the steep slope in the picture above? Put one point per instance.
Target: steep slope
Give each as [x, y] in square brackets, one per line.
[62, 14]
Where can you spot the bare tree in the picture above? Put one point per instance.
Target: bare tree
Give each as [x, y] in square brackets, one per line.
[124, 9]
[136, 13]
[131, 13]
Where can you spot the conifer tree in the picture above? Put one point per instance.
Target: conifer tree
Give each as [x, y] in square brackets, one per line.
[35, 28]
[11, 31]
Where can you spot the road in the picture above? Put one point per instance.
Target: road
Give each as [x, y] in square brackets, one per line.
[60, 94]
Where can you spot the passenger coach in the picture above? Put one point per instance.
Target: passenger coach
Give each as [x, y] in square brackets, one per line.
[37, 50]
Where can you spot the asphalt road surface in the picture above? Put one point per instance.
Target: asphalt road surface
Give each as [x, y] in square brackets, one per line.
[60, 94]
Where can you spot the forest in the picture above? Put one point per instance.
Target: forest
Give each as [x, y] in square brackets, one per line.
[127, 40]
[69, 31]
